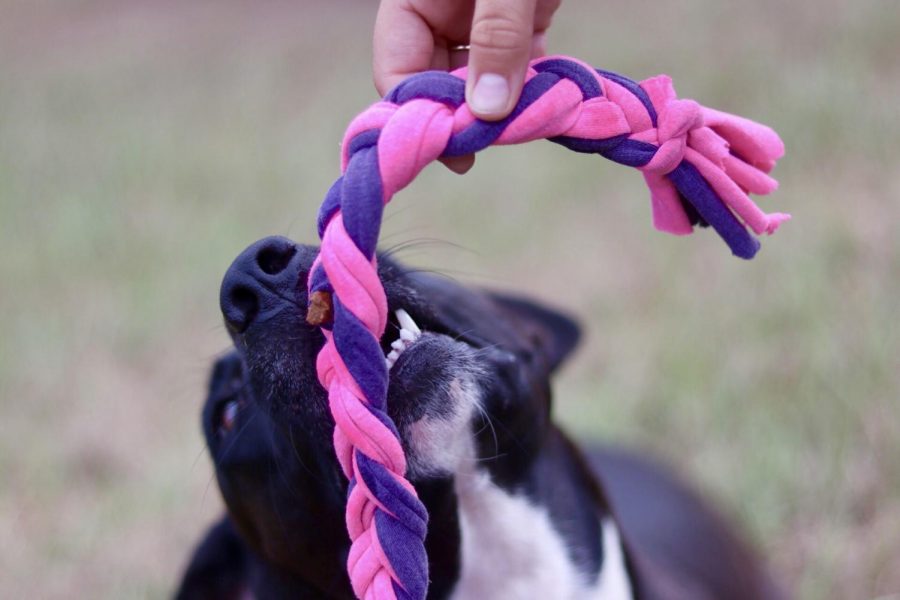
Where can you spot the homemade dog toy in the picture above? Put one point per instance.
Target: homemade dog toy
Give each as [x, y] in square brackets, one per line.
[699, 164]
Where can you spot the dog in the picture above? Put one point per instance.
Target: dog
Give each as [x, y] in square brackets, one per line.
[516, 510]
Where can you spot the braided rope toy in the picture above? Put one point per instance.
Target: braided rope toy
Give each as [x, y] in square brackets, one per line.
[699, 164]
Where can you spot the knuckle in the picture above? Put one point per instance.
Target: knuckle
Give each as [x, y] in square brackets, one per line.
[498, 32]
[544, 13]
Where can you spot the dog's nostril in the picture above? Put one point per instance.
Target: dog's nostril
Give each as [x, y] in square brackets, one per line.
[274, 259]
[244, 306]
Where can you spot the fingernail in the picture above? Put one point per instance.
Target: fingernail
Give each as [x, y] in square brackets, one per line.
[490, 94]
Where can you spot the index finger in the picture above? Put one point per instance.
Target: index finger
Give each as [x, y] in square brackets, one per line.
[403, 45]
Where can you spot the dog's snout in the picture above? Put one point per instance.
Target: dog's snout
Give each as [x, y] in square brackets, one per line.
[261, 279]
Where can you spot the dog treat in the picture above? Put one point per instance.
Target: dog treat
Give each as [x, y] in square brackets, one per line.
[320, 310]
[700, 164]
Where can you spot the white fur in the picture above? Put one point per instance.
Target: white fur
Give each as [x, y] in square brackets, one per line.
[510, 549]
[613, 582]
[441, 445]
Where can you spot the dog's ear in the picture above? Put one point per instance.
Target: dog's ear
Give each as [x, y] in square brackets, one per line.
[542, 336]
[218, 568]
[518, 342]
[552, 334]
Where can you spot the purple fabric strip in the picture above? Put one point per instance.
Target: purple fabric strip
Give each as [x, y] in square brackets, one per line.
[632, 153]
[393, 496]
[400, 592]
[330, 205]
[691, 185]
[693, 216]
[574, 72]
[361, 199]
[332, 202]
[357, 346]
[400, 533]
[589, 146]
[363, 139]
[319, 281]
[402, 547]
[432, 85]
[633, 87]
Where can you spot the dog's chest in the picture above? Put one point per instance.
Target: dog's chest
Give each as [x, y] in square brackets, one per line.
[511, 551]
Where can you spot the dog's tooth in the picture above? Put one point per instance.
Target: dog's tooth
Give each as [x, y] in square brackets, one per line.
[406, 321]
[392, 358]
[409, 332]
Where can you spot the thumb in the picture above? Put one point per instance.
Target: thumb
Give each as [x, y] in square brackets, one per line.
[501, 38]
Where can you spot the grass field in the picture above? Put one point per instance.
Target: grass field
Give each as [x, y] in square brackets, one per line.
[144, 144]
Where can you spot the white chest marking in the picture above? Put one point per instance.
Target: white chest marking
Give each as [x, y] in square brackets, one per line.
[613, 582]
[509, 548]
[510, 551]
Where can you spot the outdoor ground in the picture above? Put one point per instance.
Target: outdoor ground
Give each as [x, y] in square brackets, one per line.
[143, 144]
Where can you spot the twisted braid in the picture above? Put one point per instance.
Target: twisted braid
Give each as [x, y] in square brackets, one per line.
[699, 164]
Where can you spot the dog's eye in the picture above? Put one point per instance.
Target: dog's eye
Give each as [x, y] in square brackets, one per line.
[228, 416]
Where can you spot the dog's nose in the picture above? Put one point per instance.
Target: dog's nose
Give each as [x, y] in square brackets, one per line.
[262, 280]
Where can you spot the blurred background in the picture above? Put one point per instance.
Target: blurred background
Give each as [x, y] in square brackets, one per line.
[144, 144]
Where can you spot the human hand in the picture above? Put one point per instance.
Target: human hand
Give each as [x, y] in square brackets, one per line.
[417, 35]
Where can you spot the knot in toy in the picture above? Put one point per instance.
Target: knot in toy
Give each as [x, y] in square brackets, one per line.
[676, 119]
[700, 164]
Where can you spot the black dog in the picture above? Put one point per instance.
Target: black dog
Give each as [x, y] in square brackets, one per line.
[516, 511]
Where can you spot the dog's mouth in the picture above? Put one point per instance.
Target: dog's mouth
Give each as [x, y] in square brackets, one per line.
[408, 333]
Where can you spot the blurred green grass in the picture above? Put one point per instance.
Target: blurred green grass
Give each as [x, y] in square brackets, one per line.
[144, 144]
